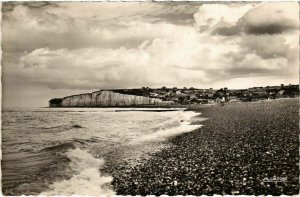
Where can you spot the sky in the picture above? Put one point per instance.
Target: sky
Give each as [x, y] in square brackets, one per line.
[52, 50]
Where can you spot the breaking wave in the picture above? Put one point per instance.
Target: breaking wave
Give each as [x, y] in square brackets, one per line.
[60, 147]
[179, 124]
[87, 178]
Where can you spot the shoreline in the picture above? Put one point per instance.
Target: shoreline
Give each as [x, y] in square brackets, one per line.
[240, 149]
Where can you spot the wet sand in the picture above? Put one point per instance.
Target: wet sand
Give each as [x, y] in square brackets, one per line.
[243, 148]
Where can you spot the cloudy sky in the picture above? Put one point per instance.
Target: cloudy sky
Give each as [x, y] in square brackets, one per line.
[57, 49]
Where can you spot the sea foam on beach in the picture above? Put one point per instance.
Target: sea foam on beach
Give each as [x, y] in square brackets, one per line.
[181, 123]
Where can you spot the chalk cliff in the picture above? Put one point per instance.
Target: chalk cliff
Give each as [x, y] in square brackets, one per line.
[105, 99]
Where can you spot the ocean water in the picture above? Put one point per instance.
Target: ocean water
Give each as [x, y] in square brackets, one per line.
[58, 151]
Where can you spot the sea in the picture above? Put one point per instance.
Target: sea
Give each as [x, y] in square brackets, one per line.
[62, 151]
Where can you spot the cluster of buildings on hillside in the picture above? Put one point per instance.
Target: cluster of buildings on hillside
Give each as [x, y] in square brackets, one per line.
[205, 96]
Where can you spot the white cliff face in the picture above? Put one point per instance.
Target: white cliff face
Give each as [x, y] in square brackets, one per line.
[109, 99]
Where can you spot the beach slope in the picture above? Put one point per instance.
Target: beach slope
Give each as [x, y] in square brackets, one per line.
[243, 148]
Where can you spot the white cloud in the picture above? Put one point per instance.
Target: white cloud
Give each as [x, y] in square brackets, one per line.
[210, 15]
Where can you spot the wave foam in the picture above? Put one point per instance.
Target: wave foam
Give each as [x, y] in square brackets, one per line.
[87, 179]
[181, 124]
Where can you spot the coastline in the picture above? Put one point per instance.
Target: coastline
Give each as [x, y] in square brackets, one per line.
[244, 148]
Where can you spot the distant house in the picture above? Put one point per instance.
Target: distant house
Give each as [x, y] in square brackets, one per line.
[223, 93]
[271, 92]
[188, 91]
[154, 95]
[178, 92]
[210, 93]
[202, 101]
[246, 95]
[291, 91]
[233, 97]
[182, 95]
[259, 94]
[280, 94]
[171, 90]
[193, 96]
[219, 93]
[201, 94]
[254, 94]
[162, 90]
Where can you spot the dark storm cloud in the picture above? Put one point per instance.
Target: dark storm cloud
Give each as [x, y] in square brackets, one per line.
[226, 31]
[255, 29]
[9, 6]
[271, 28]
[175, 12]
[240, 72]
[268, 19]
[83, 40]
[265, 19]
[174, 18]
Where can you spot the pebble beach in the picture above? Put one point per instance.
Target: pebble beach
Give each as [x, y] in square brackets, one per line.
[242, 148]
